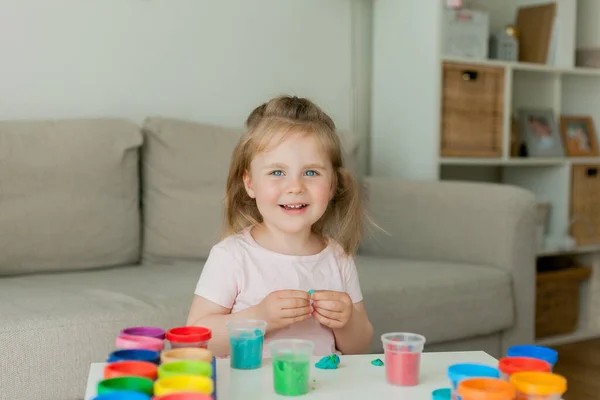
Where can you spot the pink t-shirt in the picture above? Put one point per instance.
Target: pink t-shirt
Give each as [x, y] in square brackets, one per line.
[239, 273]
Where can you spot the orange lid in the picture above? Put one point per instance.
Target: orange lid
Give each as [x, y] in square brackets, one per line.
[485, 389]
[539, 383]
[511, 365]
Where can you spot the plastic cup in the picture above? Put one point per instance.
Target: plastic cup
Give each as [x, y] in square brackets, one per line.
[533, 385]
[540, 352]
[291, 366]
[189, 336]
[127, 342]
[143, 369]
[441, 394]
[459, 372]
[512, 365]
[485, 389]
[134, 355]
[182, 354]
[130, 383]
[402, 357]
[184, 396]
[122, 395]
[246, 338]
[187, 367]
[150, 331]
[189, 383]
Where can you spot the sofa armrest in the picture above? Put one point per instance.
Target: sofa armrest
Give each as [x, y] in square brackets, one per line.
[460, 222]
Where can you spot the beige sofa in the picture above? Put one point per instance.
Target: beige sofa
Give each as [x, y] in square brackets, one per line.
[105, 225]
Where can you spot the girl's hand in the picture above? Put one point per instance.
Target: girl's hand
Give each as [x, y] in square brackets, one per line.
[284, 307]
[332, 309]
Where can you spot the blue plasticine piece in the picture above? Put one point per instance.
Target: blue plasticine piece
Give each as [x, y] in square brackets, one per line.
[311, 291]
[328, 362]
[377, 362]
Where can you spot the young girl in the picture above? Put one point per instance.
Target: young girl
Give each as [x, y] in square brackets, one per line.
[294, 223]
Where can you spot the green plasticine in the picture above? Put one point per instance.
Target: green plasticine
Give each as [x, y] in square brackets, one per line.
[291, 375]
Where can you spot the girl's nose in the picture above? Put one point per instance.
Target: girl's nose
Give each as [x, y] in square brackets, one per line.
[295, 185]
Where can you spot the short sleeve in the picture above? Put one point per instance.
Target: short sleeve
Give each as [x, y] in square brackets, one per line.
[219, 278]
[351, 282]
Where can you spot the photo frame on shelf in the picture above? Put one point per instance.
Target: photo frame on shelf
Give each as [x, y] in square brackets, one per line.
[539, 131]
[579, 136]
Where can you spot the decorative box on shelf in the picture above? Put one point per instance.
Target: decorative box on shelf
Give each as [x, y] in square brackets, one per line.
[472, 110]
[585, 204]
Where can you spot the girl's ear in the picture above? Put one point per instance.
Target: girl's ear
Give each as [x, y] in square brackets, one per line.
[248, 184]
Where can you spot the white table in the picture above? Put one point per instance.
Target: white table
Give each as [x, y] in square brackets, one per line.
[356, 379]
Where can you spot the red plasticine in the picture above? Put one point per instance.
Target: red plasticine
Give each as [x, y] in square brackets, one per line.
[402, 368]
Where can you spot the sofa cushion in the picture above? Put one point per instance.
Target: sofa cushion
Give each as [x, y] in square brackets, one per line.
[69, 194]
[55, 325]
[441, 301]
[185, 168]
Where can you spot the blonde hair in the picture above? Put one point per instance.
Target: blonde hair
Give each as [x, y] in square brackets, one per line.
[285, 115]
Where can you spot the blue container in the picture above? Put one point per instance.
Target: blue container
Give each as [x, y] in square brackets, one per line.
[122, 395]
[539, 352]
[246, 350]
[460, 372]
[441, 394]
[214, 377]
[135, 355]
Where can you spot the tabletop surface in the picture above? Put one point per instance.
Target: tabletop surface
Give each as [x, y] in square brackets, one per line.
[356, 378]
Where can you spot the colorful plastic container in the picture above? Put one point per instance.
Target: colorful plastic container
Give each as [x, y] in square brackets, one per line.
[402, 357]
[189, 336]
[459, 372]
[143, 369]
[127, 342]
[187, 367]
[130, 383]
[186, 353]
[532, 351]
[184, 396]
[538, 385]
[134, 355]
[291, 360]
[246, 338]
[485, 389]
[177, 384]
[122, 395]
[511, 365]
[150, 331]
[441, 394]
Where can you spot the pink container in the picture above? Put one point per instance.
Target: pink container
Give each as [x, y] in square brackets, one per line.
[127, 342]
[151, 331]
[402, 357]
[189, 336]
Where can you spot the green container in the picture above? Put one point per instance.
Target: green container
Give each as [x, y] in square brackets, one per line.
[185, 367]
[291, 366]
[131, 383]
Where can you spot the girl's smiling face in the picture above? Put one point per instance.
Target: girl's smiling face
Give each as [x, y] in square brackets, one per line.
[291, 183]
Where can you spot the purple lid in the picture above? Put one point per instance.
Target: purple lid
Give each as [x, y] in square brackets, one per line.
[150, 331]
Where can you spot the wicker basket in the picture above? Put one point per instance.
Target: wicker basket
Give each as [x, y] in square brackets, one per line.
[557, 300]
[472, 110]
[585, 204]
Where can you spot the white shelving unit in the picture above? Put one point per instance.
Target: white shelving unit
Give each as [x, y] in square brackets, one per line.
[406, 115]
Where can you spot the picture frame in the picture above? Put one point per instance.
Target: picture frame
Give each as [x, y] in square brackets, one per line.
[539, 131]
[579, 136]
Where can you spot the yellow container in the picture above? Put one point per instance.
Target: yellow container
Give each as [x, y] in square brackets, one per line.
[187, 383]
[538, 385]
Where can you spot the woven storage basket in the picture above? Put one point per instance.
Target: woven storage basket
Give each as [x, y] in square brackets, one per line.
[585, 204]
[472, 110]
[557, 300]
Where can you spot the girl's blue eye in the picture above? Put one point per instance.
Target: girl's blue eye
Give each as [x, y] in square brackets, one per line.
[311, 172]
[277, 173]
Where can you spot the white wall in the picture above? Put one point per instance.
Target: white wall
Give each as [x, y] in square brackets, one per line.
[205, 60]
[405, 109]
